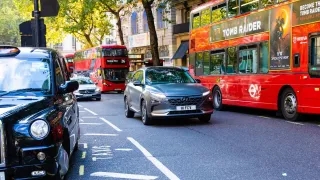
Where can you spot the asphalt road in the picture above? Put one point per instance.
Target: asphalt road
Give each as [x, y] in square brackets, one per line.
[238, 143]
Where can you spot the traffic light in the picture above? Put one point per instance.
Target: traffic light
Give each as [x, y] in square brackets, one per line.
[28, 34]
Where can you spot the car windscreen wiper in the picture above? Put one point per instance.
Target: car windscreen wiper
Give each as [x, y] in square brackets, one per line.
[21, 91]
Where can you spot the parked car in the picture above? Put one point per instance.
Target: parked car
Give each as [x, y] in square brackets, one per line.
[163, 92]
[87, 89]
[39, 114]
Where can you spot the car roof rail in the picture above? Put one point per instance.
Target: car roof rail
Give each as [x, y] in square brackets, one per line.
[7, 51]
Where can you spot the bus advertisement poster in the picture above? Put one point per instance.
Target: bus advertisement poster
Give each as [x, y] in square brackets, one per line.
[280, 37]
[306, 11]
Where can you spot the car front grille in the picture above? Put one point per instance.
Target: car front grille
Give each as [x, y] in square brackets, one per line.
[87, 91]
[2, 146]
[185, 112]
[183, 101]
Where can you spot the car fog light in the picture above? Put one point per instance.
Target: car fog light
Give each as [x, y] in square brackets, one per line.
[38, 173]
[41, 156]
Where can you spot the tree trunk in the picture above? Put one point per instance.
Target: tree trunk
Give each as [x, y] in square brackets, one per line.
[153, 32]
[119, 28]
[88, 40]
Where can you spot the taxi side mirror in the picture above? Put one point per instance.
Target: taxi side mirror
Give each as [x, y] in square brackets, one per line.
[68, 87]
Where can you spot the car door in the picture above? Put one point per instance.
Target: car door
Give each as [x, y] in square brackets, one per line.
[135, 91]
[67, 104]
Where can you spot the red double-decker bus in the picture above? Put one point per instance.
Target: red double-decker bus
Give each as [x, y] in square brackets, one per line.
[106, 65]
[69, 62]
[260, 54]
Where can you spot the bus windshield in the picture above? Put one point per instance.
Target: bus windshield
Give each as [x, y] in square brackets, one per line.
[69, 60]
[114, 52]
[115, 74]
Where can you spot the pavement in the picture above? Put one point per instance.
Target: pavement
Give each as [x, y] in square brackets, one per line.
[238, 143]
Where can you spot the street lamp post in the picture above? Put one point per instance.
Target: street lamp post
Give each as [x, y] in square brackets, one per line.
[36, 14]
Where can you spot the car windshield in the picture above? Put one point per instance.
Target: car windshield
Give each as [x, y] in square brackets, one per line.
[167, 75]
[83, 80]
[31, 75]
[115, 74]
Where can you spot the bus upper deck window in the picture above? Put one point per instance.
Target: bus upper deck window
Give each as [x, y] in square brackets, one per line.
[196, 21]
[205, 17]
[233, 8]
[219, 13]
[248, 5]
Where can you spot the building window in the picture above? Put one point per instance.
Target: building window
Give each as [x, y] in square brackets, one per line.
[160, 19]
[134, 26]
[145, 22]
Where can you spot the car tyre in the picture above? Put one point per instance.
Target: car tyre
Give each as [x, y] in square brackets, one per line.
[217, 99]
[129, 113]
[98, 99]
[289, 105]
[76, 147]
[205, 118]
[146, 119]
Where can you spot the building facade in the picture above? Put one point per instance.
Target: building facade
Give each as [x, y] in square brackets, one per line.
[181, 29]
[137, 37]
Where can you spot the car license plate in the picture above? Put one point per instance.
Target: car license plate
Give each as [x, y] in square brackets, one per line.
[186, 108]
[87, 95]
[2, 176]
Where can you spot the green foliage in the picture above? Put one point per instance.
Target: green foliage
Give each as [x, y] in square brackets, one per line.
[9, 23]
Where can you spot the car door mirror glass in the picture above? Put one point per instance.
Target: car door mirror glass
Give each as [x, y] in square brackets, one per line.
[137, 83]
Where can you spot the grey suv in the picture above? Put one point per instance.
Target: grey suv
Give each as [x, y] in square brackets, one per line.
[163, 92]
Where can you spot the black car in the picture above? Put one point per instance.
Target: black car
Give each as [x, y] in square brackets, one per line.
[39, 115]
[164, 92]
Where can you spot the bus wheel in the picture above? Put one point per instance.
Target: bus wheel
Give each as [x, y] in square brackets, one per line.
[217, 98]
[289, 105]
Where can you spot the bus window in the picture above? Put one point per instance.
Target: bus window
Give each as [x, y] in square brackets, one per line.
[264, 57]
[217, 65]
[205, 17]
[219, 13]
[199, 65]
[196, 21]
[232, 60]
[248, 60]
[206, 63]
[248, 5]
[266, 3]
[233, 8]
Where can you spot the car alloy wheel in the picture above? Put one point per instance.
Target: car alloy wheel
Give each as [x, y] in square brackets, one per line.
[127, 111]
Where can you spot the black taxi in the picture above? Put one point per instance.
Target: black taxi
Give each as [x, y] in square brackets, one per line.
[39, 115]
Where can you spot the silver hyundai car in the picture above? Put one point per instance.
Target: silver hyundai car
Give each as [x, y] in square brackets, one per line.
[164, 92]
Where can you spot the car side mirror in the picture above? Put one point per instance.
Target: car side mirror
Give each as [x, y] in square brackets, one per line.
[96, 83]
[137, 83]
[198, 80]
[68, 87]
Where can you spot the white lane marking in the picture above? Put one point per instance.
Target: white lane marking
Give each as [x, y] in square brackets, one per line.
[81, 120]
[94, 159]
[110, 124]
[82, 111]
[81, 170]
[123, 176]
[91, 123]
[265, 117]
[85, 145]
[295, 123]
[154, 160]
[123, 149]
[95, 134]
[93, 113]
[84, 155]
[284, 174]
[89, 117]
[80, 105]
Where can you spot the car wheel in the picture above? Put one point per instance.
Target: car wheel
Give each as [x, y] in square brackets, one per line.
[127, 111]
[217, 99]
[289, 105]
[98, 99]
[205, 118]
[76, 147]
[146, 120]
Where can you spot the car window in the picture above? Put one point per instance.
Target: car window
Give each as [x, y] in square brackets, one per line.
[59, 74]
[168, 75]
[136, 76]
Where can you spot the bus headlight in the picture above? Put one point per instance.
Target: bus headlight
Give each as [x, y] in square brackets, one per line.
[39, 129]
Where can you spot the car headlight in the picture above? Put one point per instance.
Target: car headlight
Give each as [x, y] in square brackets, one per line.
[206, 93]
[97, 90]
[158, 95]
[39, 129]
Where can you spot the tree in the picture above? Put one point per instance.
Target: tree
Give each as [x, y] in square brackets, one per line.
[115, 7]
[147, 5]
[9, 23]
[84, 19]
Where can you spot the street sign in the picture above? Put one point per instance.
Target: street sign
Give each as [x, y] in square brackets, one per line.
[49, 8]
